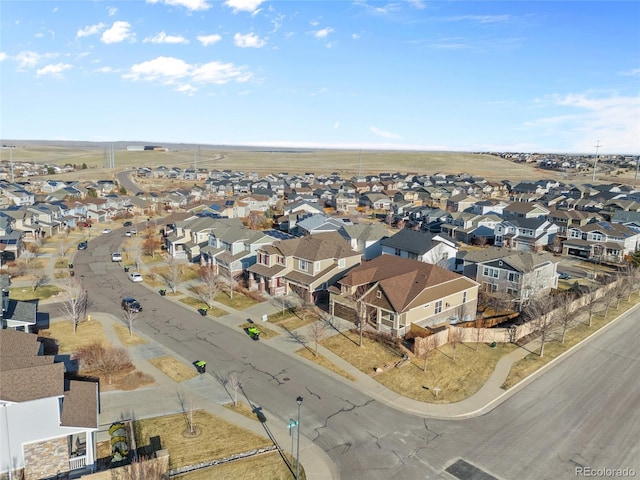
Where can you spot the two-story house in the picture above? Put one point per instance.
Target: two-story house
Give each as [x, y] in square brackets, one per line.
[435, 248]
[307, 266]
[525, 234]
[48, 424]
[390, 293]
[601, 241]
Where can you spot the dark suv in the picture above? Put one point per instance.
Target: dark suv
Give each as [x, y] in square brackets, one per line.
[127, 224]
[130, 304]
[82, 246]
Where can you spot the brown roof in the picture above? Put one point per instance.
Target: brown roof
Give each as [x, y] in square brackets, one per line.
[404, 281]
[32, 383]
[320, 246]
[15, 343]
[80, 405]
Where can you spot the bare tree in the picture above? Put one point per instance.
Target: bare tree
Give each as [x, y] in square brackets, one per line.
[356, 298]
[186, 405]
[456, 334]
[479, 333]
[74, 303]
[129, 317]
[592, 300]
[317, 332]
[174, 275]
[62, 247]
[135, 251]
[427, 345]
[226, 258]
[39, 277]
[540, 311]
[565, 317]
[150, 245]
[233, 380]
[104, 359]
[211, 285]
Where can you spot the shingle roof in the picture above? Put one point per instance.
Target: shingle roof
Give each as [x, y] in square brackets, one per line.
[80, 405]
[320, 246]
[413, 241]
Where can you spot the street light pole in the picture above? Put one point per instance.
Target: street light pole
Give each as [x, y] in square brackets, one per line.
[299, 402]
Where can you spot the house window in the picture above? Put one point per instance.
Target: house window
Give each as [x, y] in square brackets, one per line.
[512, 291]
[438, 308]
[597, 237]
[490, 272]
[341, 263]
[464, 297]
[281, 260]
[378, 294]
[398, 252]
[498, 238]
[304, 265]
[513, 277]
[263, 259]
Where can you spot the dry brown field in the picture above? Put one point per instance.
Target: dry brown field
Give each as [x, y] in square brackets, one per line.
[264, 161]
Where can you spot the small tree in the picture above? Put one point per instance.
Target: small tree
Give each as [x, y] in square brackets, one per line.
[74, 303]
[427, 345]
[174, 275]
[225, 260]
[540, 311]
[104, 359]
[129, 317]
[150, 245]
[211, 285]
[186, 405]
[456, 334]
[317, 332]
[565, 317]
[233, 380]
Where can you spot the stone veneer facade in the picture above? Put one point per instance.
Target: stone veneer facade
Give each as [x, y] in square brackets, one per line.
[46, 459]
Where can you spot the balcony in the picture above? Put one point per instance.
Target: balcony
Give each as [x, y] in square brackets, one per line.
[77, 462]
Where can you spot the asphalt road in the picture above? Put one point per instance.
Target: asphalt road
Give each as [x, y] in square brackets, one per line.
[583, 412]
[124, 180]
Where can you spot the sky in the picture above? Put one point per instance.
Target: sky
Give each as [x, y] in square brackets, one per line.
[519, 76]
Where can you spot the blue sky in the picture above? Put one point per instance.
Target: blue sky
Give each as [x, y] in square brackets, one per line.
[546, 76]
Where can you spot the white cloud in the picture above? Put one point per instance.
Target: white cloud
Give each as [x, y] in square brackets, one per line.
[322, 91]
[119, 32]
[39, 35]
[169, 70]
[314, 23]
[481, 18]
[613, 120]
[336, 125]
[323, 32]
[55, 9]
[207, 40]
[634, 72]
[191, 5]
[383, 134]
[53, 70]
[419, 4]
[105, 70]
[355, 36]
[27, 59]
[111, 11]
[186, 88]
[90, 30]
[162, 37]
[243, 5]
[3, 56]
[248, 40]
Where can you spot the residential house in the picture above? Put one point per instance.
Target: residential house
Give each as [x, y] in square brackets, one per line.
[11, 243]
[48, 424]
[365, 238]
[15, 314]
[525, 234]
[461, 202]
[307, 266]
[470, 227]
[189, 236]
[375, 201]
[435, 248]
[320, 223]
[601, 241]
[524, 210]
[390, 294]
[520, 276]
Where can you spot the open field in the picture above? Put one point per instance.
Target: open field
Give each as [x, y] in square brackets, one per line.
[265, 160]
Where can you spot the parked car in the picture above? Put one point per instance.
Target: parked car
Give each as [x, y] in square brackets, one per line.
[130, 304]
[83, 245]
[563, 276]
[116, 257]
[131, 233]
[135, 277]
[127, 224]
[106, 230]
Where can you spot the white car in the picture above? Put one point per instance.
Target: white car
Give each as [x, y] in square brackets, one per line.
[135, 277]
[116, 257]
[131, 233]
[106, 230]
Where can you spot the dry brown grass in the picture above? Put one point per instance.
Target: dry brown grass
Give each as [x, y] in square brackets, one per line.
[243, 409]
[457, 379]
[216, 438]
[266, 466]
[69, 342]
[125, 338]
[130, 380]
[173, 368]
[266, 333]
[324, 362]
[290, 321]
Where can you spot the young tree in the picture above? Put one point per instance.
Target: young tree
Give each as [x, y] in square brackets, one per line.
[317, 331]
[540, 311]
[211, 285]
[427, 345]
[129, 317]
[233, 380]
[74, 303]
[456, 334]
[479, 333]
[186, 405]
[225, 269]
[174, 275]
[150, 245]
[566, 319]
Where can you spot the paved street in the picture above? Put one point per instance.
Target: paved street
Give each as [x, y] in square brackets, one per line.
[584, 411]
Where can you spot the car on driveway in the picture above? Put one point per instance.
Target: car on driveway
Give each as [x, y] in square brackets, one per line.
[106, 230]
[83, 245]
[563, 276]
[130, 304]
[135, 277]
[116, 257]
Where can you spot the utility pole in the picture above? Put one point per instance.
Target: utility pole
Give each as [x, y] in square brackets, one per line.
[595, 164]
